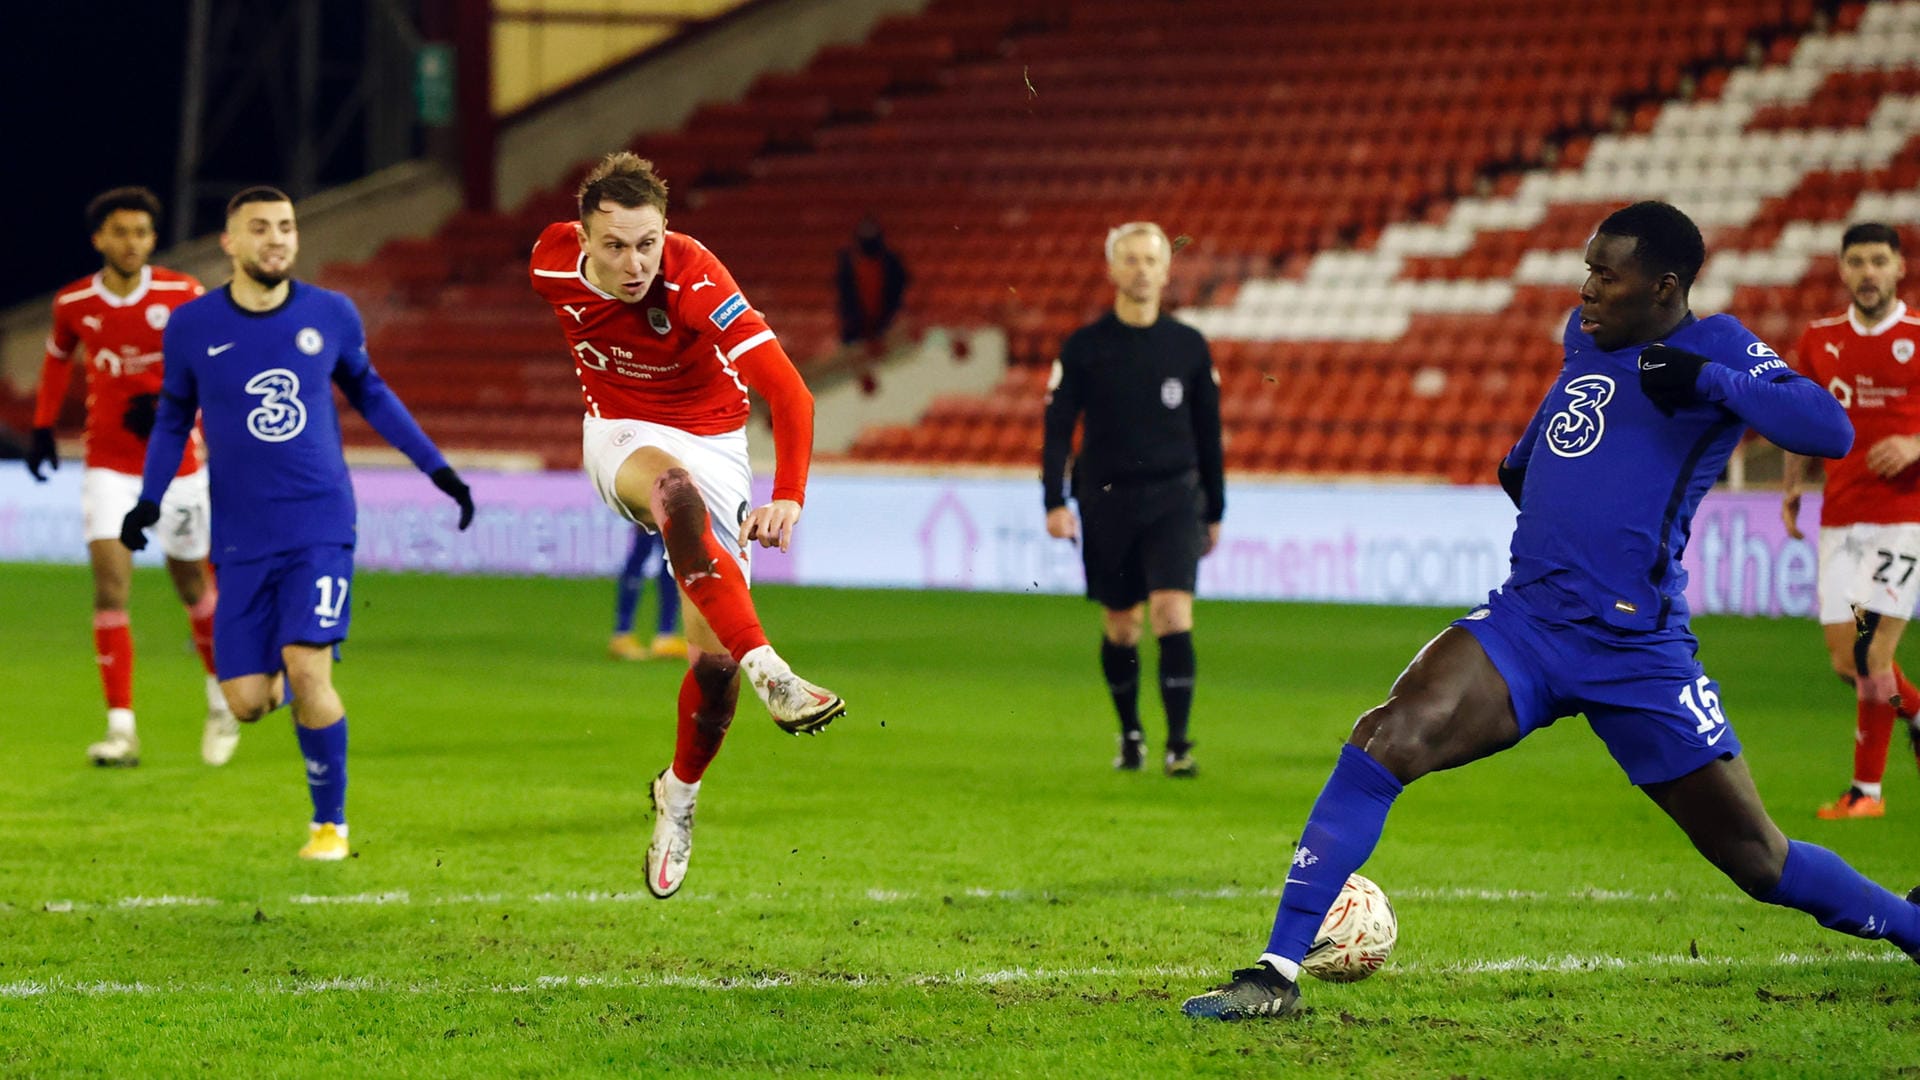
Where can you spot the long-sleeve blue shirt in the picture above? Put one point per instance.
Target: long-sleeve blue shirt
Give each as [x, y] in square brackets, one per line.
[262, 382]
[1612, 483]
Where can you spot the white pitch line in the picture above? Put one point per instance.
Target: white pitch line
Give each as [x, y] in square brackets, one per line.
[1551, 965]
[401, 897]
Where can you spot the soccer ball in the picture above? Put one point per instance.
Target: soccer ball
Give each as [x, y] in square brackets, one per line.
[1357, 936]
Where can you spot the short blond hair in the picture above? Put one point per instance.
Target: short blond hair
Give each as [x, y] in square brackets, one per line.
[1121, 232]
[625, 178]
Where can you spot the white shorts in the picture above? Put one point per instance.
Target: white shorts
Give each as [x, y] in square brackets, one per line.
[1875, 567]
[185, 528]
[718, 464]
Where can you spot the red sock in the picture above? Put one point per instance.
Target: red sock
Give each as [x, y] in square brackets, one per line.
[1909, 695]
[703, 724]
[201, 615]
[1875, 730]
[113, 651]
[710, 577]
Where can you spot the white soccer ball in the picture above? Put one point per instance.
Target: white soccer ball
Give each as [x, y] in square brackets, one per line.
[1357, 936]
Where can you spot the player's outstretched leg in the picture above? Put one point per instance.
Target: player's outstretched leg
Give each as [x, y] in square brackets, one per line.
[1721, 813]
[715, 586]
[708, 695]
[1341, 833]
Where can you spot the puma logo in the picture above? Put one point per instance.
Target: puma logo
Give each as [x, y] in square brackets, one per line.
[576, 312]
[91, 322]
[1834, 348]
[705, 282]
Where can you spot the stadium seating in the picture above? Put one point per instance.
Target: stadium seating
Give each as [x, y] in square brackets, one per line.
[1382, 261]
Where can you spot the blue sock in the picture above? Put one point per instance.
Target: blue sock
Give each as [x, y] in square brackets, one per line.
[1821, 884]
[669, 589]
[326, 752]
[627, 595]
[1341, 832]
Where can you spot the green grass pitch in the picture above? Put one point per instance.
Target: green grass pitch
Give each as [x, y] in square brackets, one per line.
[950, 880]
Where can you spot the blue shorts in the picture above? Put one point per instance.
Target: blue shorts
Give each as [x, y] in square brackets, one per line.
[293, 598]
[1644, 694]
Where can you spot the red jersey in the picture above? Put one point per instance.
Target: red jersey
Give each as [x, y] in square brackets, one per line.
[683, 355]
[122, 340]
[1873, 372]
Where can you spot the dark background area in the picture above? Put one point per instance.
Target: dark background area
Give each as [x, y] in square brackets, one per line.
[94, 91]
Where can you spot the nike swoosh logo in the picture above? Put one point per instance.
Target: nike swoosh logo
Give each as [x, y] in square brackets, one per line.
[664, 884]
[216, 350]
[1716, 736]
[1295, 881]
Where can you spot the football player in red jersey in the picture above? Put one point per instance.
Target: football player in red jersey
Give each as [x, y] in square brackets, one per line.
[1870, 515]
[666, 346]
[113, 321]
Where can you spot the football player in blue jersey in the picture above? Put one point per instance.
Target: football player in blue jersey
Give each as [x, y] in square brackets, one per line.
[1645, 412]
[258, 361]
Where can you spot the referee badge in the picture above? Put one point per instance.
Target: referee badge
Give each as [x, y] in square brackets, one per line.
[1172, 393]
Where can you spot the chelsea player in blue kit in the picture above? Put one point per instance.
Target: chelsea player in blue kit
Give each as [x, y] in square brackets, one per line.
[258, 361]
[1643, 416]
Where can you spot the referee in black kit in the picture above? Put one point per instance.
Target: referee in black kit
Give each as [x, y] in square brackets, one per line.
[1148, 480]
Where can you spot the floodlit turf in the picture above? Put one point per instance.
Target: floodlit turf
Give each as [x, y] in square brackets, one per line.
[951, 879]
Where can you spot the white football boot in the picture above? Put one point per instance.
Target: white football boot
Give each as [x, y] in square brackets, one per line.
[119, 748]
[795, 704]
[672, 845]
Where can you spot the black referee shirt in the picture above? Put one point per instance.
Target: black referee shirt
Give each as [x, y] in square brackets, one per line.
[1152, 409]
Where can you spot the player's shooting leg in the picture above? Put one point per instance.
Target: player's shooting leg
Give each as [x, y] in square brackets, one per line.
[316, 704]
[1720, 811]
[634, 483]
[1449, 707]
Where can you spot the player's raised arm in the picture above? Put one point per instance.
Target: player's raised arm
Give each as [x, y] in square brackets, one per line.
[372, 398]
[1784, 406]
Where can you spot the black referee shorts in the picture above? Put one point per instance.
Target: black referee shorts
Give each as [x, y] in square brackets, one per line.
[1141, 538]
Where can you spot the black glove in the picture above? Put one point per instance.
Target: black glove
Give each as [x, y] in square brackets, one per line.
[1668, 375]
[449, 481]
[1512, 481]
[139, 415]
[133, 527]
[42, 451]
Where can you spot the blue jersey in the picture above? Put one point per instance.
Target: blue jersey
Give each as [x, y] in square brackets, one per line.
[1612, 483]
[262, 382]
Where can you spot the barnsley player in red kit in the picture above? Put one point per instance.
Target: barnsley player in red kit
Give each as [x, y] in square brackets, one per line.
[1870, 516]
[113, 321]
[666, 346]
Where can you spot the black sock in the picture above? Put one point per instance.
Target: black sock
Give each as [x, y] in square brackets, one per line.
[1121, 665]
[1176, 686]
